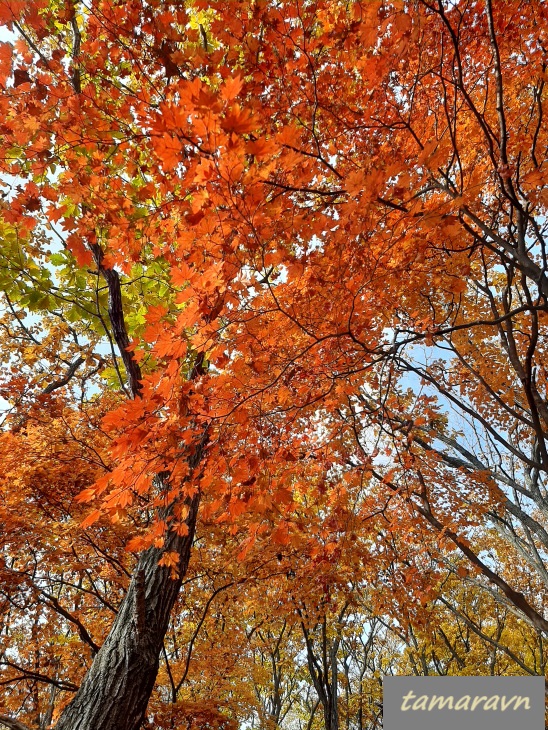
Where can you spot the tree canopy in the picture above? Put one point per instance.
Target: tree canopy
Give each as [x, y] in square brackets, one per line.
[274, 280]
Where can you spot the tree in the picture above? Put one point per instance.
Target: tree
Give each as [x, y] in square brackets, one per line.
[313, 233]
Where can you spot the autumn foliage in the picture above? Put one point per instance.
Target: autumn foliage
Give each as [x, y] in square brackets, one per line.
[275, 286]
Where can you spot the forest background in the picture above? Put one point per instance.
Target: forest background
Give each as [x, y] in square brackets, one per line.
[274, 298]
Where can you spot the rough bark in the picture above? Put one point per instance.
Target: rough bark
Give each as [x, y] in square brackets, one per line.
[115, 692]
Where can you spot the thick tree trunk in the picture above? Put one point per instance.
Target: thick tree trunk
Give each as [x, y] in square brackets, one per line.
[115, 692]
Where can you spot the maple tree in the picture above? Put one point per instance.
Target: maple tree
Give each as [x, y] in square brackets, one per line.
[276, 272]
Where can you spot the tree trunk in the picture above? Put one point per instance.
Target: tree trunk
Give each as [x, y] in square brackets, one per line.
[323, 672]
[115, 692]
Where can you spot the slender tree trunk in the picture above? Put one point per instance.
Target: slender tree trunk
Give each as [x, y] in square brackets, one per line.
[115, 692]
[334, 693]
[323, 672]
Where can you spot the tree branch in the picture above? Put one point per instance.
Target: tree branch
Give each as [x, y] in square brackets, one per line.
[12, 724]
[116, 316]
[82, 631]
[73, 367]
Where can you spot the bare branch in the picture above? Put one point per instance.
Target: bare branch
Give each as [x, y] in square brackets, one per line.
[73, 367]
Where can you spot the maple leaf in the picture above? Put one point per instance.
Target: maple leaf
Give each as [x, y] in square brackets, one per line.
[91, 518]
[231, 88]
[239, 120]
[168, 149]
[33, 204]
[82, 254]
[280, 536]
[6, 55]
[169, 559]
[21, 76]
